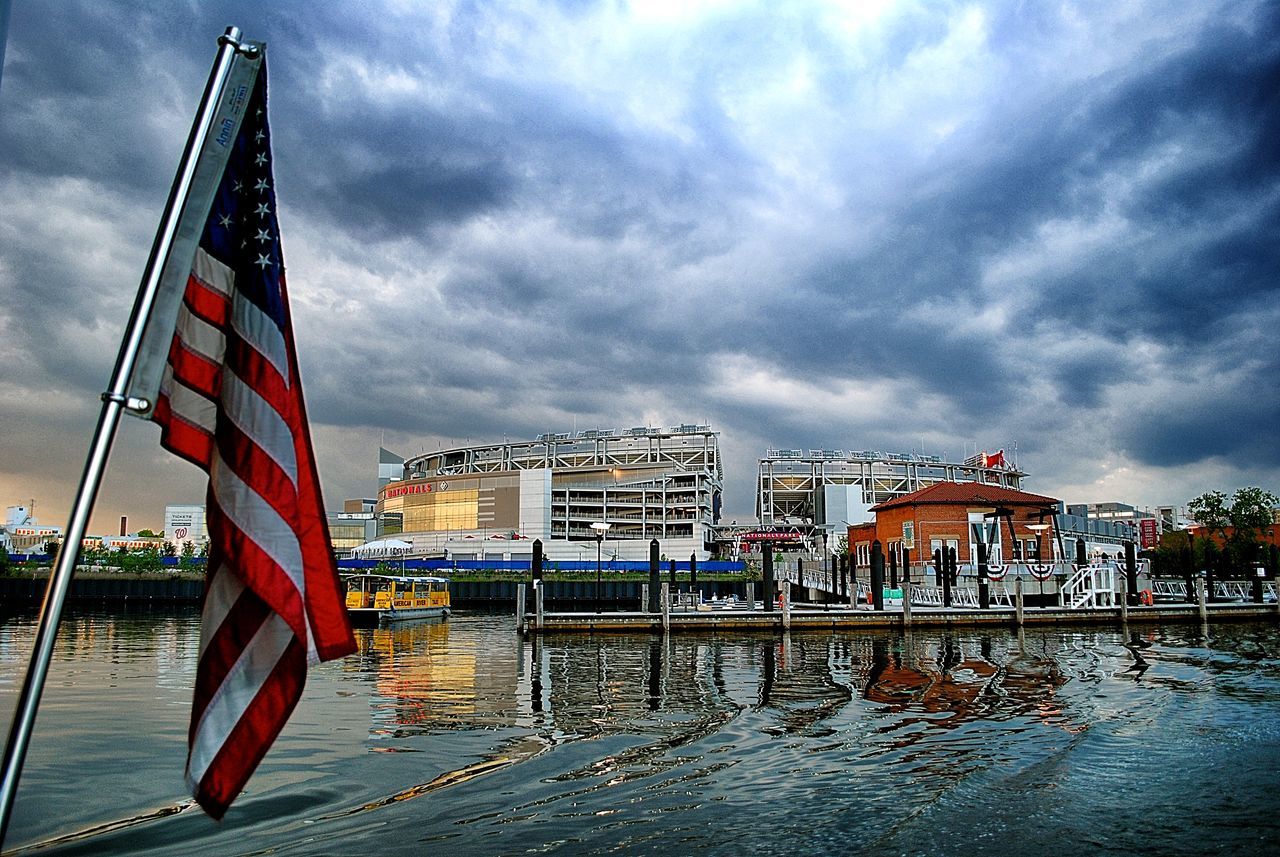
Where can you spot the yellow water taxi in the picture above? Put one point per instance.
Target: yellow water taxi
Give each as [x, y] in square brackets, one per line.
[379, 599]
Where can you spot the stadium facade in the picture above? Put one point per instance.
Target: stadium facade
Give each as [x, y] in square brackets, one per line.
[490, 501]
[828, 489]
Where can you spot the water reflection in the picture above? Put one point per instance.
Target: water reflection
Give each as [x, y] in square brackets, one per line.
[947, 682]
[432, 677]
[815, 740]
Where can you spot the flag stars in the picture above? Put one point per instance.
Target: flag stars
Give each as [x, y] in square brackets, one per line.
[225, 221]
[262, 210]
[261, 159]
[261, 186]
[258, 137]
[264, 236]
[263, 262]
[238, 187]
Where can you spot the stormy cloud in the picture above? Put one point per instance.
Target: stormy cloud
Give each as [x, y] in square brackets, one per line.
[939, 227]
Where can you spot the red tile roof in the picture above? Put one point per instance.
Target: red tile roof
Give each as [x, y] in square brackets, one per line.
[972, 493]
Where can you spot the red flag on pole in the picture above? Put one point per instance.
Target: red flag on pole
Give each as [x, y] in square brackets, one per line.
[219, 364]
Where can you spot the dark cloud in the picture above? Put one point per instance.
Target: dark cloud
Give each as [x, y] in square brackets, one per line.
[953, 225]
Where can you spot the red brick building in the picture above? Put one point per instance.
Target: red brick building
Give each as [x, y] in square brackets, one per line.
[1268, 535]
[948, 514]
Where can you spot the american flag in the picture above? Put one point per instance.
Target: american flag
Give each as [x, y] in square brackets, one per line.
[230, 401]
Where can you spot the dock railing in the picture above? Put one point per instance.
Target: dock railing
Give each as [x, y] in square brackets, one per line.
[1223, 590]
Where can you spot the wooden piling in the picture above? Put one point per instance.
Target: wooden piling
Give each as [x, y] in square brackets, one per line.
[654, 577]
[538, 604]
[786, 605]
[1017, 600]
[877, 576]
[766, 572]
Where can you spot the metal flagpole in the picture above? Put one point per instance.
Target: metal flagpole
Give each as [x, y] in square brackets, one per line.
[114, 401]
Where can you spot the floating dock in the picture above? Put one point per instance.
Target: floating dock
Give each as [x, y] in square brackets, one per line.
[803, 617]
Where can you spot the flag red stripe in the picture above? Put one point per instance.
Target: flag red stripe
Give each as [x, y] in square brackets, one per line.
[194, 371]
[326, 601]
[254, 733]
[256, 568]
[259, 373]
[181, 437]
[224, 648]
[207, 303]
[258, 469]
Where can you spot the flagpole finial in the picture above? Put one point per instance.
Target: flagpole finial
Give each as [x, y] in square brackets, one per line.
[232, 37]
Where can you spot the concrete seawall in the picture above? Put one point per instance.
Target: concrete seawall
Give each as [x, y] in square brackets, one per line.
[478, 594]
[29, 591]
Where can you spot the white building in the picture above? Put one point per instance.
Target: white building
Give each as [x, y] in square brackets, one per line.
[185, 523]
[21, 532]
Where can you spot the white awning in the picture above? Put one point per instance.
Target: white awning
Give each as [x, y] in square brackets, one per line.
[382, 548]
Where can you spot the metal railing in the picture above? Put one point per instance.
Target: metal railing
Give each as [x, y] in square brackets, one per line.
[1226, 590]
[1091, 586]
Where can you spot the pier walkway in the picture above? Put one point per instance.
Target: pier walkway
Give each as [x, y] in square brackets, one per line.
[681, 615]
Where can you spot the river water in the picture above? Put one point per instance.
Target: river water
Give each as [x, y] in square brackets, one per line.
[458, 737]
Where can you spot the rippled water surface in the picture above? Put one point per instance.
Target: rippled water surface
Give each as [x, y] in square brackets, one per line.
[461, 738]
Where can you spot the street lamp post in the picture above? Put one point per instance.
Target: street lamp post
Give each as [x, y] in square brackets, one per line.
[600, 527]
[1038, 528]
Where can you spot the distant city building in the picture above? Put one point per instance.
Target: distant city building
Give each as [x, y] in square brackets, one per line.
[493, 500]
[185, 523]
[354, 526]
[1101, 535]
[1128, 523]
[1172, 519]
[127, 543]
[22, 533]
[828, 489]
[390, 466]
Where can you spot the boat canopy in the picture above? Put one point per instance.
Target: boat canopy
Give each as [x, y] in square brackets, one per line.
[380, 548]
[398, 578]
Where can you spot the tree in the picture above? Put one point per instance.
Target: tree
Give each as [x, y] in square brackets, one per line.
[148, 534]
[4, 560]
[1252, 509]
[1239, 522]
[1210, 511]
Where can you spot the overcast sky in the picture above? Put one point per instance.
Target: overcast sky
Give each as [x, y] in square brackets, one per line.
[856, 225]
